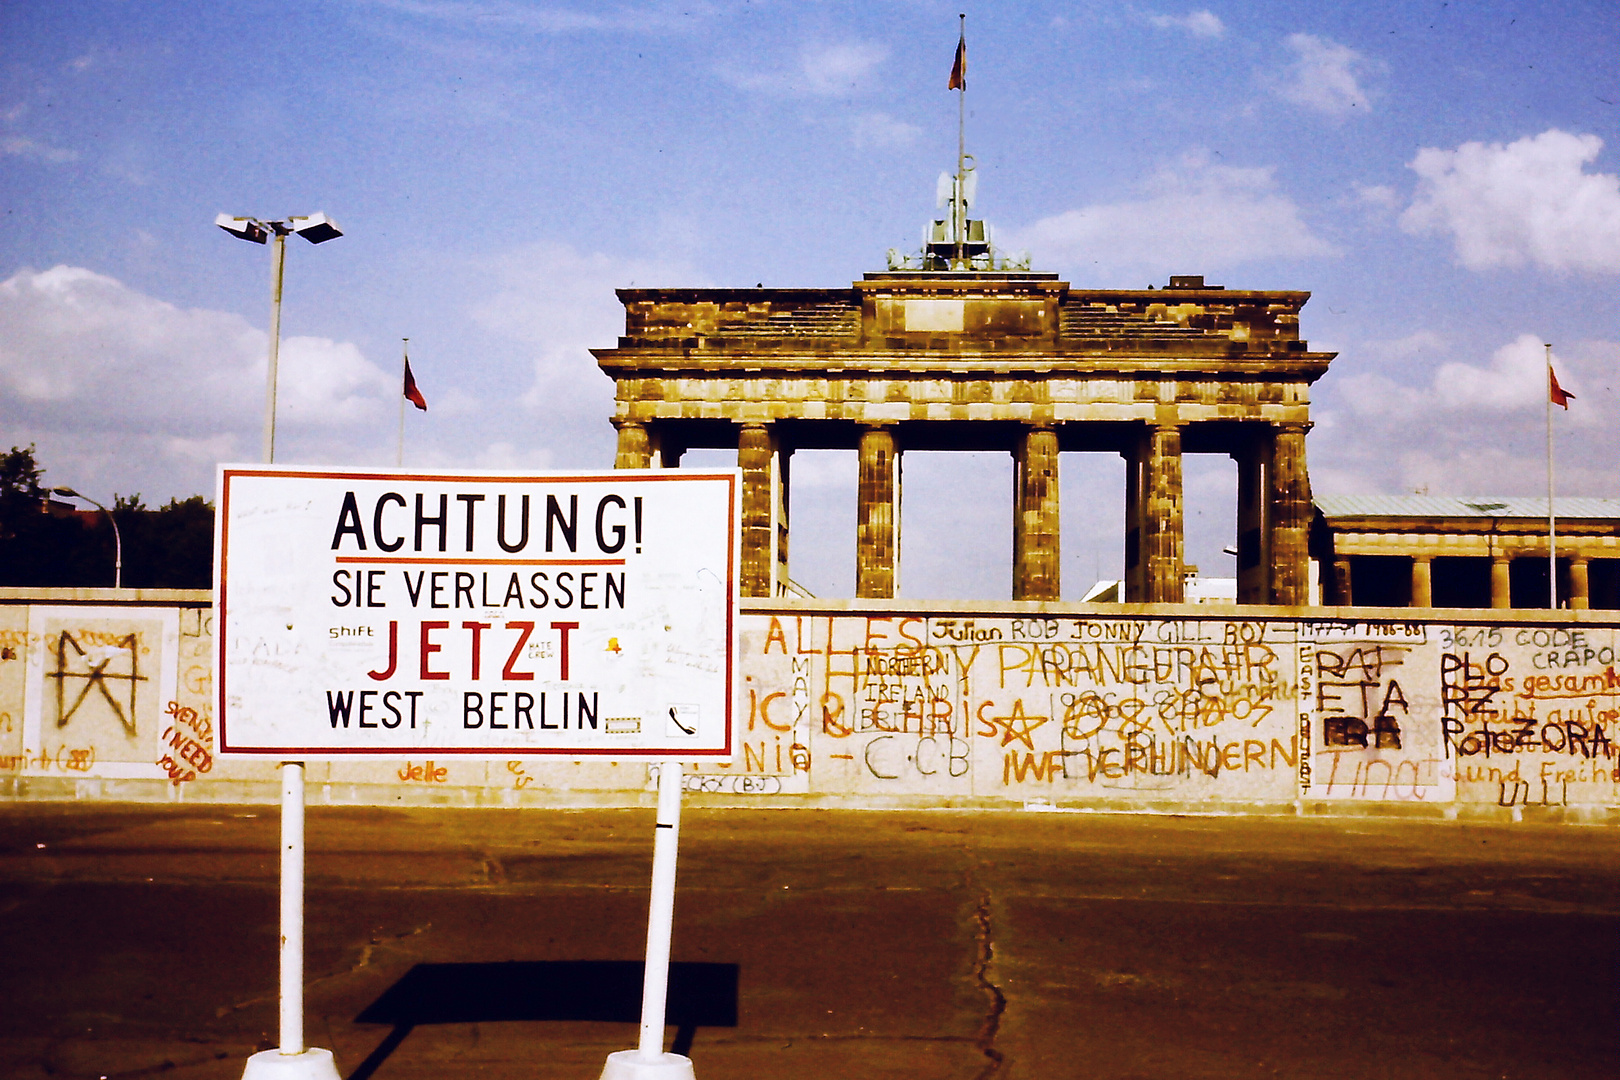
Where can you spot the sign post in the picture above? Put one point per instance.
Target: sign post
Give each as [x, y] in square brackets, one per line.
[370, 613]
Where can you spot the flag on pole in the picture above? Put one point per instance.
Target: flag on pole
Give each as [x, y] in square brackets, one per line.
[1555, 393]
[412, 394]
[959, 68]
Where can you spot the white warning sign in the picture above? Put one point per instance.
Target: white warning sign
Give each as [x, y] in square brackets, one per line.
[398, 613]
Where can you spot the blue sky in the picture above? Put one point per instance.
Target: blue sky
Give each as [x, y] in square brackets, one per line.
[1442, 177]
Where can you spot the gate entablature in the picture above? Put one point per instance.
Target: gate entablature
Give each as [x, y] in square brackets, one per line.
[968, 359]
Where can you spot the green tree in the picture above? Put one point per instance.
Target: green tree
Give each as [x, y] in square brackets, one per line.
[44, 542]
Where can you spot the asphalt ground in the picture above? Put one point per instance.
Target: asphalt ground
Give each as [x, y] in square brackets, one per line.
[141, 941]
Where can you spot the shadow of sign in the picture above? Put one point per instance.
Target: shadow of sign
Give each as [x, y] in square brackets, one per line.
[700, 995]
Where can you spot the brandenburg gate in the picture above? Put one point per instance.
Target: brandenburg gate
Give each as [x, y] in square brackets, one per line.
[984, 359]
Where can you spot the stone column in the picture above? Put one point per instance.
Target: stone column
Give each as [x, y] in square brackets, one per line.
[635, 450]
[877, 516]
[1253, 538]
[1580, 589]
[1290, 517]
[1422, 581]
[1161, 517]
[1501, 583]
[666, 450]
[1135, 456]
[779, 507]
[1036, 548]
[756, 457]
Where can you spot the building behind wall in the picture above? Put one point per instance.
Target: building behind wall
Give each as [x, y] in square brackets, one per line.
[1477, 552]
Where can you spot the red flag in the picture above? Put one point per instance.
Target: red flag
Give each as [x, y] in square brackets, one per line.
[412, 394]
[959, 69]
[1558, 394]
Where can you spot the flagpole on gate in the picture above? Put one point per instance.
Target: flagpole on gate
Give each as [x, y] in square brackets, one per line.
[405, 365]
[958, 83]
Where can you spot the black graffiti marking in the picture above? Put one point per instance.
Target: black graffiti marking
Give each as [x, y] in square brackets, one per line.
[95, 679]
[1586, 740]
[1468, 687]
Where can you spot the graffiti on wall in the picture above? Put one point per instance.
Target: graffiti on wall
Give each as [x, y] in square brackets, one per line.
[956, 706]
[1529, 713]
[1027, 708]
[94, 689]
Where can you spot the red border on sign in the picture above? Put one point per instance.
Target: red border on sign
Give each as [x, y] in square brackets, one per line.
[633, 476]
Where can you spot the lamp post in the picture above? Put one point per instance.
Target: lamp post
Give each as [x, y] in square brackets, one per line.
[293, 1060]
[317, 229]
[118, 540]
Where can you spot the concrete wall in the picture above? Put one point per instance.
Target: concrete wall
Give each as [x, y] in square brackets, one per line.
[856, 703]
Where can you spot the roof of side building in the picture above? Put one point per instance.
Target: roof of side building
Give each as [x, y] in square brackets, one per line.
[1482, 506]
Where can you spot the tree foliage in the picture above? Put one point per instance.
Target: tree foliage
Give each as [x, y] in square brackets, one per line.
[45, 541]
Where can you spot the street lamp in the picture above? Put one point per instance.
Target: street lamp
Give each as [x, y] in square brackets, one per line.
[317, 229]
[118, 540]
[294, 1060]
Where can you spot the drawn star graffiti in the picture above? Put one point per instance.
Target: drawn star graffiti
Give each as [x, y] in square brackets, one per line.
[95, 662]
[1018, 725]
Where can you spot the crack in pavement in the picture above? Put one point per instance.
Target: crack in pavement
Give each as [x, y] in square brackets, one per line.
[984, 954]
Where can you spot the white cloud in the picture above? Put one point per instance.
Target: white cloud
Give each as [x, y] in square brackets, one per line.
[561, 303]
[1466, 428]
[822, 70]
[1197, 23]
[23, 147]
[98, 372]
[1515, 379]
[1377, 196]
[1194, 214]
[1414, 347]
[879, 129]
[1324, 76]
[325, 383]
[835, 70]
[548, 19]
[1530, 201]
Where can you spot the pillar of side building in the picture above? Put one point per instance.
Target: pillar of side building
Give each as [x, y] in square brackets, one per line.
[757, 457]
[1161, 517]
[877, 515]
[635, 449]
[1422, 581]
[1501, 583]
[1290, 517]
[1036, 547]
[1580, 596]
[1253, 538]
[1135, 455]
[1342, 584]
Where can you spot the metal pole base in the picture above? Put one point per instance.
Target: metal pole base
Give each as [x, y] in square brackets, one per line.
[631, 1065]
[312, 1064]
